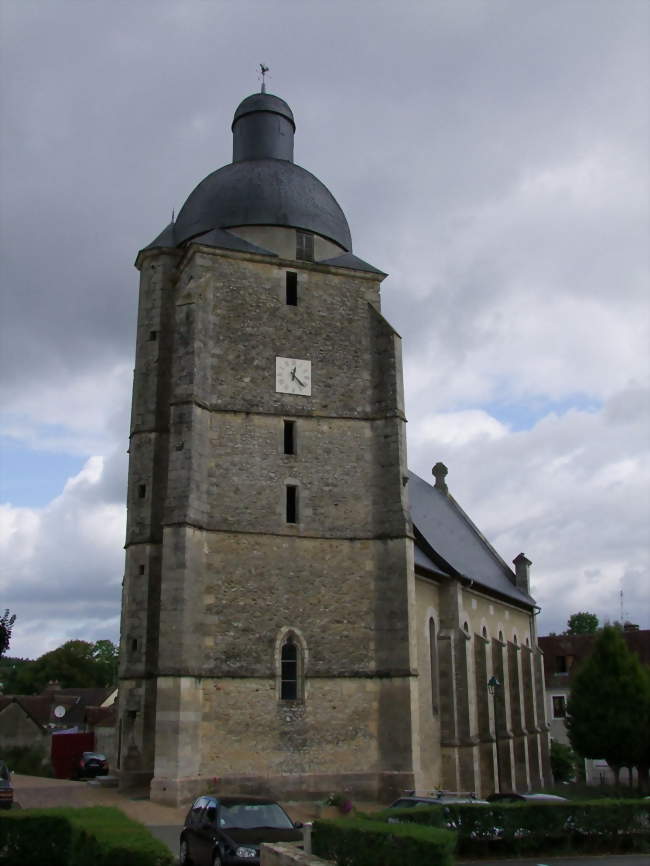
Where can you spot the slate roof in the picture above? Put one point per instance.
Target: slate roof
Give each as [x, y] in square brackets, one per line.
[227, 241]
[349, 260]
[259, 192]
[448, 542]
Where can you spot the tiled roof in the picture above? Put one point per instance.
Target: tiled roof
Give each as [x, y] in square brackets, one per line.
[574, 648]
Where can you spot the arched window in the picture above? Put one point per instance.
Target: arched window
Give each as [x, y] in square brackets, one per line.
[433, 660]
[290, 674]
[501, 636]
[484, 632]
[466, 626]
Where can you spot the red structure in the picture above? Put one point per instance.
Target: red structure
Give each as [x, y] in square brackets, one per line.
[66, 752]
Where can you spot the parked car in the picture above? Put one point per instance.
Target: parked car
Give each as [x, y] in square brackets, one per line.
[91, 765]
[6, 788]
[442, 799]
[409, 801]
[228, 831]
[515, 797]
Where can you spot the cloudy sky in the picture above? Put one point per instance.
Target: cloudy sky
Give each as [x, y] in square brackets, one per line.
[491, 156]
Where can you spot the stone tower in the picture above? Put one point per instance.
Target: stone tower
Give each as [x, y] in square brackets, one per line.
[269, 559]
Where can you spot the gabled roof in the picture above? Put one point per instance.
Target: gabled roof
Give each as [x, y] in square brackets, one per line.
[36, 707]
[91, 695]
[453, 545]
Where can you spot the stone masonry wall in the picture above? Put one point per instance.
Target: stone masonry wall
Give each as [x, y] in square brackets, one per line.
[214, 571]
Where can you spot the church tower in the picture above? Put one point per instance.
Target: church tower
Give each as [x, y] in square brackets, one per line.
[266, 638]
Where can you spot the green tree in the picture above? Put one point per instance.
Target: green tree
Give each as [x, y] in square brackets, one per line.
[6, 624]
[582, 623]
[9, 667]
[76, 663]
[563, 762]
[608, 713]
[106, 656]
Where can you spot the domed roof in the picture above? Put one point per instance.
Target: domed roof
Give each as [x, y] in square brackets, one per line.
[263, 192]
[262, 186]
[263, 102]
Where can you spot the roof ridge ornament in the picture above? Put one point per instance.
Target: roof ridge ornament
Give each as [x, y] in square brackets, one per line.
[263, 70]
[439, 472]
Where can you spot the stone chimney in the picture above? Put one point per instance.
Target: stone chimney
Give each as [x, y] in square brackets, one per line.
[522, 572]
[439, 472]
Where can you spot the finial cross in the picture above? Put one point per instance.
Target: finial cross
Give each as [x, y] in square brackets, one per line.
[263, 69]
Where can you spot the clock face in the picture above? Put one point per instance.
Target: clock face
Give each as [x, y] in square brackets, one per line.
[293, 376]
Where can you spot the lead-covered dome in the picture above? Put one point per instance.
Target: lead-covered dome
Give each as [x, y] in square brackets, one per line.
[262, 186]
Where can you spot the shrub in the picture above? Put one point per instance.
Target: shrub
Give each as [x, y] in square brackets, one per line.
[362, 842]
[563, 762]
[29, 760]
[541, 828]
[95, 836]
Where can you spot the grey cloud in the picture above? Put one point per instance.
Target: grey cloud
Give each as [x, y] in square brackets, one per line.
[425, 126]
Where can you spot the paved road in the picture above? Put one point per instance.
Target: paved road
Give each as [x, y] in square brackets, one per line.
[170, 835]
[592, 860]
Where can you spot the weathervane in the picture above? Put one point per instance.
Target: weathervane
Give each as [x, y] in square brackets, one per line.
[263, 69]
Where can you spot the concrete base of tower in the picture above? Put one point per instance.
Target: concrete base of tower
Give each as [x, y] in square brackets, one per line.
[382, 787]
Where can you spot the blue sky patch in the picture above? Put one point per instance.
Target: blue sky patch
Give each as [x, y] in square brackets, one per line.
[524, 415]
[33, 478]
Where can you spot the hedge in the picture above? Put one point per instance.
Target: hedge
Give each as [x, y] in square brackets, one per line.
[362, 842]
[94, 836]
[540, 828]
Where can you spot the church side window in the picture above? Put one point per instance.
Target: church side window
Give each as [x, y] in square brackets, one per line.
[433, 658]
[290, 671]
[304, 246]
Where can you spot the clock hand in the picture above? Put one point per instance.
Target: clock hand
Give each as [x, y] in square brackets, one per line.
[293, 373]
[302, 384]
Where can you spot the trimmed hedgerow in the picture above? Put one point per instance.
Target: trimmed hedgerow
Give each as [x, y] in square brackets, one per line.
[541, 828]
[362, 842]
[94, 836]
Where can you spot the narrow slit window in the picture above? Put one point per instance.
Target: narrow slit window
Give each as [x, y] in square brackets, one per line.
[142, 491]
[289, 437]
[289, 671]
[304, 247]
[292, 504]
[153, 336]
[292, 288]
[141, 569]
[134, 644]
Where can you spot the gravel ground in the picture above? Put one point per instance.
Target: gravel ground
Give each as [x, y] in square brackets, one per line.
[37, 792]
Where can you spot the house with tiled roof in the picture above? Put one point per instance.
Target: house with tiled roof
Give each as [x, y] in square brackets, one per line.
[563, 655]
